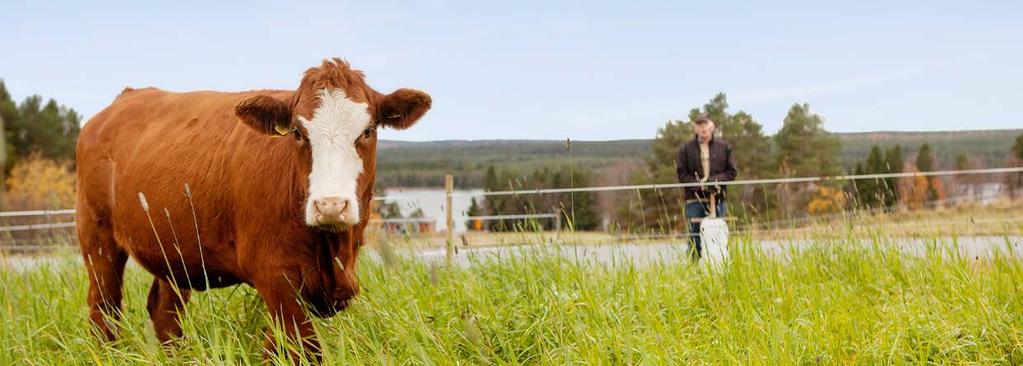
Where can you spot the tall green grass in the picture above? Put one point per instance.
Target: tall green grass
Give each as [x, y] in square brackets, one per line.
[836, 302]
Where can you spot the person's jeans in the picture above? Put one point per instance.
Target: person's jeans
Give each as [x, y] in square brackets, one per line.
[699, 209]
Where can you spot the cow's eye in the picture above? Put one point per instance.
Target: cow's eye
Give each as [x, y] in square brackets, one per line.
[367, 133]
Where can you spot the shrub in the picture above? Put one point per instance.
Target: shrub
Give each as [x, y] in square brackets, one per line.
[826, 201]
[38, 183]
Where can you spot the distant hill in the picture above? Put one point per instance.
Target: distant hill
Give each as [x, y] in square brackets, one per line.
[985, 148]
[423, 164]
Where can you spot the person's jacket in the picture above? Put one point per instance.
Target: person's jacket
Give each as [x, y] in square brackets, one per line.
[690, 170]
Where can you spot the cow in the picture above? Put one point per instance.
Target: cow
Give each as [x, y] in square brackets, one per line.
[204, 189]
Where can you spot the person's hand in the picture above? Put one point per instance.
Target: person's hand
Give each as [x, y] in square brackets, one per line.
[708, 187]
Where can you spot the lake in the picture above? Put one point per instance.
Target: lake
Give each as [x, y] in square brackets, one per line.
[431, 200]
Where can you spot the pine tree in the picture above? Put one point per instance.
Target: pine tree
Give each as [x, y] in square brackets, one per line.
[1017, 147]
[804, 149]
[963, 183]
[962, 162]
[8, 113]
[583, 205]
[390, 210]
[1016, 157]
[492, 206]
[893, 164]
[925, 163]
[855, 187]
[924, 159]
[49, 129]
[474, 210]
[3, 162]
[804, 146]
[871, 193]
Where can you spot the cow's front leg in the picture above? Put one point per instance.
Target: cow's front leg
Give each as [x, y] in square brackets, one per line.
[288, 315]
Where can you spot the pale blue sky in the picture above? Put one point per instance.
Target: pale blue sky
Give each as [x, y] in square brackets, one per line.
[549, 70]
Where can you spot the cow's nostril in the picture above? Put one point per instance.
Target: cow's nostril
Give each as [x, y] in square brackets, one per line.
[330, 206]
[332, 211]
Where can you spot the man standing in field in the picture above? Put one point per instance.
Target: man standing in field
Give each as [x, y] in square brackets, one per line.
[704, 160]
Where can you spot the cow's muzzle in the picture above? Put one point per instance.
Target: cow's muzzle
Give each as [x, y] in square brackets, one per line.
[332, 211]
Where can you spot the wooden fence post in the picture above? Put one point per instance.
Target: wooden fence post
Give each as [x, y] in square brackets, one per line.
[449, 187]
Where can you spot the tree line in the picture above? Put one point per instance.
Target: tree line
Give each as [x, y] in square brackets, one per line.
[37, 150]
[801, 148]
[424, 164]
[35, 126]
[576, 210]
[38, 136]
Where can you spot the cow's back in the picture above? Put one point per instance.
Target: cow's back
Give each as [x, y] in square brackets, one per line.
[154, 142]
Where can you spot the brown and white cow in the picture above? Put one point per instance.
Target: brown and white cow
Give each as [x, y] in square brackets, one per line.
[280, 186]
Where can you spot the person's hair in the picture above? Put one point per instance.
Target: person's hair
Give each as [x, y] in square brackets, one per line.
[702, 119]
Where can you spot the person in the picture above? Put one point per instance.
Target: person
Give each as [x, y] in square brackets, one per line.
[706, 160]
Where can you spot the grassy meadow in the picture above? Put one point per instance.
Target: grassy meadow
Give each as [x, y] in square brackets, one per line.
[836, 302]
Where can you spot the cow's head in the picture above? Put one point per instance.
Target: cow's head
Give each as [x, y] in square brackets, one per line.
[335, 116]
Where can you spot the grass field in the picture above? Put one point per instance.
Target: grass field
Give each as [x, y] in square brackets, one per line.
[835, 303]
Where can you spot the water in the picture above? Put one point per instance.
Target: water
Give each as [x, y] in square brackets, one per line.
[431, 201]
[639, 254]
[646, 254]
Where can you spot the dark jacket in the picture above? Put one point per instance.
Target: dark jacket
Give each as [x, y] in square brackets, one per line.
[689, 169]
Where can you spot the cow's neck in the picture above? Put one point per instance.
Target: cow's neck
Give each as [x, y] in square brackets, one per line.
[290, 191]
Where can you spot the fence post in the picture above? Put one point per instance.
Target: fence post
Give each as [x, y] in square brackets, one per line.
[449, 186]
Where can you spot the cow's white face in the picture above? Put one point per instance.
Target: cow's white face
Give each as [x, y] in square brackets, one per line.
[333, 116]
[333, 132]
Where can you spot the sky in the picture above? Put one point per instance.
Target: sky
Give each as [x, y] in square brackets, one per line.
[586, 70]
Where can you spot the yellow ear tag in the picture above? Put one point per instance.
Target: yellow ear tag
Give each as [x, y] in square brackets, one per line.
[281, 130]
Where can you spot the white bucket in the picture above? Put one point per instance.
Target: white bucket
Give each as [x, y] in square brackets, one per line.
[714, 234]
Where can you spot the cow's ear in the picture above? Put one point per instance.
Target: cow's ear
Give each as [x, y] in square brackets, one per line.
[403, 108]
[265, 114]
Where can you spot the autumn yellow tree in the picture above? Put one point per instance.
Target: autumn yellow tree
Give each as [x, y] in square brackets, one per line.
[920, 191]
[826, 200]
[38, 183]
